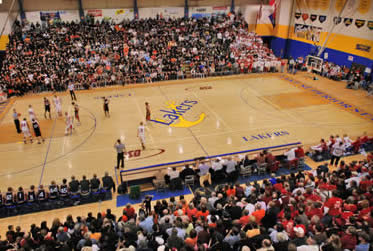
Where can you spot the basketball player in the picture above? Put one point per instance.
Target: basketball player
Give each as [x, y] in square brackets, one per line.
[76, 112]
[148, 113]
[26, 131]
[21, 198]
[31, 113]
[141, 134]
[36, 126]
[106, 107]
[47, 108]
[58, 105]
[69, 124]
[72, 91]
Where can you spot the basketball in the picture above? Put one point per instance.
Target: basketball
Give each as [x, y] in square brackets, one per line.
[19, 114]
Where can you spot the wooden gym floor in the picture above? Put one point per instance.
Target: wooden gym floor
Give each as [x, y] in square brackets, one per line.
[225, 114]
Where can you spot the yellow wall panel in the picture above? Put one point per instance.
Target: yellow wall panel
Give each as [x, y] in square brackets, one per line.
[4, 40]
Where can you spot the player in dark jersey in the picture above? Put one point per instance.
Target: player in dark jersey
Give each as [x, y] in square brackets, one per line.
[148, 112]
[106, 107]
[31, 197]
[21, 198]
[47, 108]
[42, 196]
[76, 112]
[9, 197]
[64, 190]
[36, 127]
[53, 191]
[95, 183]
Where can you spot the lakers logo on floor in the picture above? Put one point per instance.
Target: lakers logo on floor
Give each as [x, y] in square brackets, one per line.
[174, 116]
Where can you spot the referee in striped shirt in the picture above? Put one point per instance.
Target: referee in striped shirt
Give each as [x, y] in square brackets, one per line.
[120, 148]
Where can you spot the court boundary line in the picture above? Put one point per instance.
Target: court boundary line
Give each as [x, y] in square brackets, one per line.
[47, 153]
[212, 156]
[8, 106]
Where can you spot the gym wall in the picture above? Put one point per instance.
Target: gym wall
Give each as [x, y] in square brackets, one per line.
[304, 26]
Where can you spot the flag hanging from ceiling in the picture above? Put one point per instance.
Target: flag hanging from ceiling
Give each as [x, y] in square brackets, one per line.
[272, 16]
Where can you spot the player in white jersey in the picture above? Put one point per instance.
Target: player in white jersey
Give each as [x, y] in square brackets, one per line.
[69, 124]
[141, 134]
[58, 105]
[26, 131]
[31, 112]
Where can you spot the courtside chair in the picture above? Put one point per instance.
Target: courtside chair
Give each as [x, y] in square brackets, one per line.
[245, 171]
[301, 163]
[160, 185]
[262, 168]
[189, 181]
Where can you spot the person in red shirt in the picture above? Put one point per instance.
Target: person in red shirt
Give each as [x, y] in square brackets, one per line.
[245, 219]
[299, 152]
[203, 213]
[356, 145]
[348, 239]
[258, 213]
[231, 191]
[130, 211]
[333, 206]
[191, 210]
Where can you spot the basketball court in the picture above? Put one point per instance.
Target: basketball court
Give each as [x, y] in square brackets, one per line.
[191, 118]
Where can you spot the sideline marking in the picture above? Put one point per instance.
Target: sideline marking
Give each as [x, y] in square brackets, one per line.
[48, 148]
[347, 107]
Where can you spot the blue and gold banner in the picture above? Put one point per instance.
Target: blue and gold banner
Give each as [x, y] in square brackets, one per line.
[363, 47]
[359, 23]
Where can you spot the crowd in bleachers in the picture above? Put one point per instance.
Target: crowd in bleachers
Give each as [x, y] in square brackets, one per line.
[319, 210]
[35, 199]
[355, 78]
[88, 53]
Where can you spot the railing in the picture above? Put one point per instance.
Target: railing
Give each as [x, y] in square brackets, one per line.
[149, 171]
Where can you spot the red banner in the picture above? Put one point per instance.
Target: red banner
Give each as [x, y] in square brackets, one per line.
[95, 13]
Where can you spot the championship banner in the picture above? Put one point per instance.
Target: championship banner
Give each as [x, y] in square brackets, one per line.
[119, 12]
[46, 16]
[94, 13]
[297, 15]
[359, 23]
[363, 47]
[370, 25]
[337, 20]
[347, 21]
[305, 16]
[313, 17]
[322, 19]
[307, 32]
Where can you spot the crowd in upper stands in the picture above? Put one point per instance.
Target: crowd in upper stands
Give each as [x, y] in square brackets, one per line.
[328, 209]
[48, 57]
